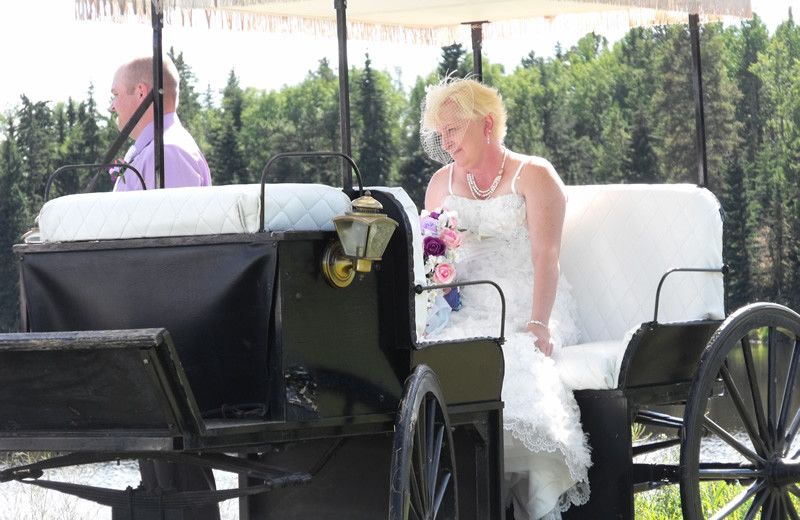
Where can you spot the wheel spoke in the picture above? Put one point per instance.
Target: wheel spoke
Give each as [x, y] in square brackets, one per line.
[440, 493]
[737, 502]
[787, 508]
[786, 404]
[755, 507]
[430, 424]
[433, 480]
[741, 409]
[791, 433]
[772, 383]
[415, 506]
[420, 441]
[755, 391]
[793, 489]
[732, 442]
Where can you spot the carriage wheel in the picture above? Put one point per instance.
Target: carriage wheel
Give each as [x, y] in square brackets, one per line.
[740, 455]
[423, 478]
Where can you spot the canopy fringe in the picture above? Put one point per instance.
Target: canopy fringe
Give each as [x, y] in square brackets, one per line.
[226, 15]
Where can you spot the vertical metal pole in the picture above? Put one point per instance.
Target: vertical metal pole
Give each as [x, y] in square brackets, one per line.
[477, 49]
[699, 112]
[158, 92]
[344, 92]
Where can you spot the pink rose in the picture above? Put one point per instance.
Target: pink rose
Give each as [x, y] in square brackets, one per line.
[451, 238]
[453, 222]
[444, 273]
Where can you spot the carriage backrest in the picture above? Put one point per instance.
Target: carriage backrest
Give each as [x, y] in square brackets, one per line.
[619, 240]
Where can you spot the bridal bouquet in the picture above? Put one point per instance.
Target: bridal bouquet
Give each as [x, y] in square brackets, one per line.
[440, 242]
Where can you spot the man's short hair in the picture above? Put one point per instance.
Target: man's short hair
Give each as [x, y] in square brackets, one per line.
[140, 70]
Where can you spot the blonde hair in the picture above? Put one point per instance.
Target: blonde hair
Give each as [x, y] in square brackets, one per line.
[465, 98]
[140, 70]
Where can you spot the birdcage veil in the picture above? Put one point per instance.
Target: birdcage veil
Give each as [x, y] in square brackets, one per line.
[446, 111]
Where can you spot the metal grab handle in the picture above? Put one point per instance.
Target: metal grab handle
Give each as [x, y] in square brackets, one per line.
[90, 165]
[122, 137]
[502, 339]
[302, 154]
[723, 270]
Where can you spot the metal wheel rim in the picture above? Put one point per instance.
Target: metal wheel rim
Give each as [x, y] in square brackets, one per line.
[770, 420]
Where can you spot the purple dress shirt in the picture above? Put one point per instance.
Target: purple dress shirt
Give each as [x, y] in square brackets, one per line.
[184, 164]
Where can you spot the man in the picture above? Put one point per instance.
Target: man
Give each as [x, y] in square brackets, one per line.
[184, 164]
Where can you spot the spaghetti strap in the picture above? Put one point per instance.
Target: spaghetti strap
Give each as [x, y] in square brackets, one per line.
[516, 176]
[450, 182]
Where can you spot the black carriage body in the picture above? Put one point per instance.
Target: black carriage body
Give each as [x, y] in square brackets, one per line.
[256, 328]
[261, 357]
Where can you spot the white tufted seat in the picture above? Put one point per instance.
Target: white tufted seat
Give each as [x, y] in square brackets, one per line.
[618, 242]
[190, 211]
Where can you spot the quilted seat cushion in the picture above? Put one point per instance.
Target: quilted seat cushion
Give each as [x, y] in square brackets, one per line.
[190, 211]
[590, 366]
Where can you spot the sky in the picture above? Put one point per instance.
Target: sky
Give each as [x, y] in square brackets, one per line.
[49, 56]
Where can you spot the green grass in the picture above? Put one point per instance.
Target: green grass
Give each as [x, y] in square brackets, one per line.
[665, 503]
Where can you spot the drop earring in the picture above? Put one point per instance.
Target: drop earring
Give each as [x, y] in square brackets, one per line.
[488, 136]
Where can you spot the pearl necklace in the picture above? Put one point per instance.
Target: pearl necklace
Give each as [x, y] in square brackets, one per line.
[478, 193]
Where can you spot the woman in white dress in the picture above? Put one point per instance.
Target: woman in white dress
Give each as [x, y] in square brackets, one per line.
[511, 208]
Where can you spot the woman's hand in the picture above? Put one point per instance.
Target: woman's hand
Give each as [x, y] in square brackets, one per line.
[542, 335]
[544, 345]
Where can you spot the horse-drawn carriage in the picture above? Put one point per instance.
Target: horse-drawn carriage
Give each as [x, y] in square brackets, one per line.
[259, 329]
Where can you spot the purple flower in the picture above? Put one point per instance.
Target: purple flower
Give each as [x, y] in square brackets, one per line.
[433, 246]
[428, 225]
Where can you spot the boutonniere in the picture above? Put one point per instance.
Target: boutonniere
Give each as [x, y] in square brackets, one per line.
[117, 172]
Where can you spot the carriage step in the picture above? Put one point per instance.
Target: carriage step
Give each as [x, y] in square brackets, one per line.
[94, 390]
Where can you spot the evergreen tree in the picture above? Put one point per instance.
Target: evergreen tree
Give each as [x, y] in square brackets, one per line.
[36, 143]
[453, 61]
[225, 158]
[777, 227]
[375, 149]
[416, 167]
[15, 220]
[634, 93]
[189, 106]
[523, 94]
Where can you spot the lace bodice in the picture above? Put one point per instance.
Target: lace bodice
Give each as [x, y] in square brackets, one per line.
[497, 247]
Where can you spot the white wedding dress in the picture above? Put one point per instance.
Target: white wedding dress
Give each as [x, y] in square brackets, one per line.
[546, 452]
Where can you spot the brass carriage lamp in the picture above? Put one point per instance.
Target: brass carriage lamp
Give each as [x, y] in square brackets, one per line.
[364, 234]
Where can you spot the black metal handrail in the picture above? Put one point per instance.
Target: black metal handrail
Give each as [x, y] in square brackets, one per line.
[721, 270]
[302, 154]
[502, 339]
[67, 167]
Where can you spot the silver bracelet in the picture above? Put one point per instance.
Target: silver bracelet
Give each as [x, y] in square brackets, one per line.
[543, 325]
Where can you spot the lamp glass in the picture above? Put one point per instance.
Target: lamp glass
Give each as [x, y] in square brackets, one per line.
[353, 235]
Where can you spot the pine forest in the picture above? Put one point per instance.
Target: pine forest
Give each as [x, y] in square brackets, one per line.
[601, 113]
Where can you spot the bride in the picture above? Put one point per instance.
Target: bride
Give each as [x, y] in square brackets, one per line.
[511, 208]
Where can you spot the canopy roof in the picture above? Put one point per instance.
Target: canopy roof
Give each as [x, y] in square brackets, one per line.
[418, 21]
